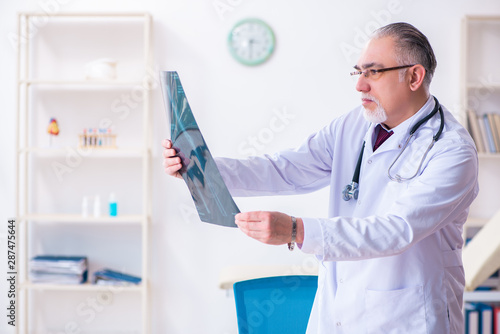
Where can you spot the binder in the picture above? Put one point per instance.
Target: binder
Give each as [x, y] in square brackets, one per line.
[471, 319]
[485, 318]
[496, 320]
[478, 318]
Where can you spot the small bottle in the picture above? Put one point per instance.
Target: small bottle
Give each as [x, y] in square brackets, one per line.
[84, 137]
[85, 207]
[97, 206]
[90, 140]
[113, 206]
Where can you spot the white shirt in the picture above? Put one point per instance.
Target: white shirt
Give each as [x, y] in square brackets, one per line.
[390, 261]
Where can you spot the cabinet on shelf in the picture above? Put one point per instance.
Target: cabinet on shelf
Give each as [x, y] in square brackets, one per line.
[481, 113]
[90, 73]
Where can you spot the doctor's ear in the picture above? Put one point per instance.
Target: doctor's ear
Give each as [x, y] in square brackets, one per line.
[416, 76]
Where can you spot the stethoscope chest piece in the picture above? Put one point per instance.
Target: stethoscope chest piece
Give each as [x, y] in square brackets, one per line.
[350, 191]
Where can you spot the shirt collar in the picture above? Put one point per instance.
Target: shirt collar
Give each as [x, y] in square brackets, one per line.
[405, 127]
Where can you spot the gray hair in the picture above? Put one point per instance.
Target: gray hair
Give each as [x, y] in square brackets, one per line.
[412, 47]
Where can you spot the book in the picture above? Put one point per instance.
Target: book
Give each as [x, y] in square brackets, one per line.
[112, 277]
[58, 269]
[496, 120]
[489, 134]
[475, 130]
[494, 130]
[482, 131]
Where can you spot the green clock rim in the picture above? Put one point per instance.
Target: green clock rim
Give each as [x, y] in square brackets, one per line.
[258, 61]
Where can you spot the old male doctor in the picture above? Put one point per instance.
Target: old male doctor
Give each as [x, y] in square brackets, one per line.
[390, 259]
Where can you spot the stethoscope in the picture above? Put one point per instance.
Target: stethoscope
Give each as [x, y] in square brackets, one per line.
[352, 190]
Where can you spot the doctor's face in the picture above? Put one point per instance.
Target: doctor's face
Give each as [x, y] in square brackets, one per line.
[383, 95]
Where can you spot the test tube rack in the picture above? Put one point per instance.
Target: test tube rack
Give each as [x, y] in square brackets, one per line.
[97, 140]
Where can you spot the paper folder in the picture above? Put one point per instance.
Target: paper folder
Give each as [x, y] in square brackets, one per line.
[481, 256]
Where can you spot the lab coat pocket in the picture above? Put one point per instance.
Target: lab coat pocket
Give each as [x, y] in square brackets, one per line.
[395, 311]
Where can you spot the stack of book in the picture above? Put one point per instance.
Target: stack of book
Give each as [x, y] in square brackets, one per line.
[58, 269]
[485, 130]
[112, 277]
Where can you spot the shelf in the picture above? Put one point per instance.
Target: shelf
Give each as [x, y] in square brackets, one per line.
[484, 155]
[80, 287]
[72, 84]
[89, 14]
[495, 86]
[482, 18]
[132, 152]
[77, 218]
[476, 221]
[482, 296]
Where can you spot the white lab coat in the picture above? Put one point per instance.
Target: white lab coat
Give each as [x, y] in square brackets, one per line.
[390, 261]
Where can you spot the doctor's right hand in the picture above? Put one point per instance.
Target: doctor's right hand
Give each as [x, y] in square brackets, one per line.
[171, 161]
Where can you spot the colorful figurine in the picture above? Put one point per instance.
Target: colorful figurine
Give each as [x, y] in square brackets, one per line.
[53, 128]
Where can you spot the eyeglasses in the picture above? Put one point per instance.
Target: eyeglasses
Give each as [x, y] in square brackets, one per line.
[374, 74]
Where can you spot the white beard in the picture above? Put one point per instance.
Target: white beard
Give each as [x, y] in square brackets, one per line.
[376, 116]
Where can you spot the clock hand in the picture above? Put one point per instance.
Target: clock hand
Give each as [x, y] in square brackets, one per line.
[250, 46]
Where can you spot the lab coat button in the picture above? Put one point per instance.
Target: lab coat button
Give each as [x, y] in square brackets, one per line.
[338, 324]
[369, 162]
[341, 280]
[359, 202]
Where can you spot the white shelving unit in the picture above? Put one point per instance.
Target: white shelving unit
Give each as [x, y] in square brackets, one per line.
[481, 94]
[52, 177]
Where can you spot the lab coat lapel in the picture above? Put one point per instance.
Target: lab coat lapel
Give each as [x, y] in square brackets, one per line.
[369, 139]
[391, 143]
[394, 142]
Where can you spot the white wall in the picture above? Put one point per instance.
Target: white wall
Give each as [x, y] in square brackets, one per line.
[307, 78]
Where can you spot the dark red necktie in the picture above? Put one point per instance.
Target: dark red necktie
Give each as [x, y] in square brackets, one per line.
[381, 137]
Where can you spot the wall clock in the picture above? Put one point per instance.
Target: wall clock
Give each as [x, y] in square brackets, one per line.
[251, 41]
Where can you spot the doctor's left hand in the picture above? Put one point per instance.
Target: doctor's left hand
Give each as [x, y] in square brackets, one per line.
[272, 228]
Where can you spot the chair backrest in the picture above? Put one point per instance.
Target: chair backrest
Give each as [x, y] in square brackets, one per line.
[271, 305]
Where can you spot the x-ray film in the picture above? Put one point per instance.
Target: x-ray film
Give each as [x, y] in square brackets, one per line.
[209, 192]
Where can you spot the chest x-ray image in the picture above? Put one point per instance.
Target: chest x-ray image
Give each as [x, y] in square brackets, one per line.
[209, 192]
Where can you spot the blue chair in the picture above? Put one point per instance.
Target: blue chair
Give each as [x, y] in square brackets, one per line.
[271, 305]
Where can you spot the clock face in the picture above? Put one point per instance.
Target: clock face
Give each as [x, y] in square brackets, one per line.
[251, 42]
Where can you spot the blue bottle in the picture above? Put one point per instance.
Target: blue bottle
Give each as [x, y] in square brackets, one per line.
[113, 206]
